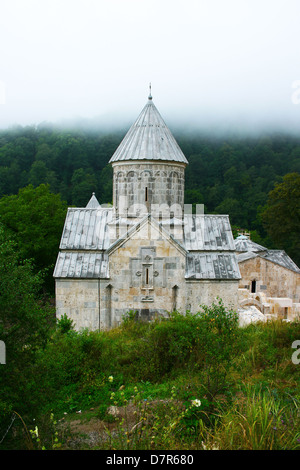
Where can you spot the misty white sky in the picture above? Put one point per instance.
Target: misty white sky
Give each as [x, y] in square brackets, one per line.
[211, 63]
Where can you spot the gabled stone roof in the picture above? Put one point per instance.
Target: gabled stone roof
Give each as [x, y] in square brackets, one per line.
[137, 227]
[280, 257]
[93, 202]
[149, 139]
[85, 244]
[247, 249]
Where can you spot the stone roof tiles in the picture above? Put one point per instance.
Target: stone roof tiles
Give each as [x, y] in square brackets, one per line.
[280, 257]
[149, 138]
[86, 229]
[81, 265]
[208, 232]
[247, 249]
[85, 244]
[213, 265]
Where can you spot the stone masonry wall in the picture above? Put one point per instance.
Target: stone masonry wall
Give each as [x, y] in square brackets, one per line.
[271, 279]
[208, 291]
[147, 183]
[147, 276]
[79, 300]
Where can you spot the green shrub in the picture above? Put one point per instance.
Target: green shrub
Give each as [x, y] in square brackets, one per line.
[65, 324]
[206, 341]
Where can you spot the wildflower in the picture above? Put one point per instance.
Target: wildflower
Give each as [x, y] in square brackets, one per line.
[110, 378]
[196, 402]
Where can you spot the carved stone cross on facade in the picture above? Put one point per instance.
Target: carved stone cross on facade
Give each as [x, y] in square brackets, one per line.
[147, 272]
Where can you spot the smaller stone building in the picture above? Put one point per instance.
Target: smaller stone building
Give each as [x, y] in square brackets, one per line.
[270, 279]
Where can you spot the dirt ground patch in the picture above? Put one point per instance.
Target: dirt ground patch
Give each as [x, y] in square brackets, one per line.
[86, 431]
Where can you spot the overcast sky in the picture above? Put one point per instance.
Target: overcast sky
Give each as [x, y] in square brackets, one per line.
[212, 63]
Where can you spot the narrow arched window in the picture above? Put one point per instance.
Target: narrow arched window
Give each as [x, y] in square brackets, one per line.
[146, 194]
[174, 297]
[108, 305]
[253, 287]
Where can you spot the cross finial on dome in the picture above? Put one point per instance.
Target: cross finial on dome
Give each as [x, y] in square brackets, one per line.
[150, 96]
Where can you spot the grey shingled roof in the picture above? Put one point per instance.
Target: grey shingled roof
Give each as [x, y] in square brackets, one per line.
[81, 265]
[208, 232]
[208, 244]
[86, 229]
[279, 257]
[212, 266]
[244, 256]
[149, 139]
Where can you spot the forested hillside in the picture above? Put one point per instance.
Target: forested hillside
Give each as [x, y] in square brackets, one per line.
[229, 175]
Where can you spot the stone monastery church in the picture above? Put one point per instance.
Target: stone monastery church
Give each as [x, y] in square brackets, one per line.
[148, 252]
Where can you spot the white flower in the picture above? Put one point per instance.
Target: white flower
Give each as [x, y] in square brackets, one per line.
[110, 378]
[196, 402]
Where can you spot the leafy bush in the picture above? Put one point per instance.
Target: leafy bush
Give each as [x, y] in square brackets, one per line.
[205, 341]
[65, 324]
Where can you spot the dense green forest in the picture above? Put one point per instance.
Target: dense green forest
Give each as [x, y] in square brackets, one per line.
[229, 175]
[226, 174]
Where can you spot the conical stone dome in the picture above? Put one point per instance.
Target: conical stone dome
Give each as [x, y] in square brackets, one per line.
[149, 138]
[148, 167]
